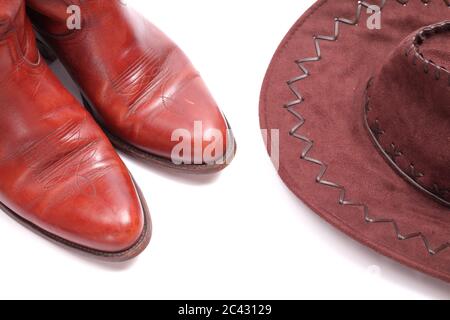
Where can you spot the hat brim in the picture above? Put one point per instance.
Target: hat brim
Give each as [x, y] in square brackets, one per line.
[327, 157]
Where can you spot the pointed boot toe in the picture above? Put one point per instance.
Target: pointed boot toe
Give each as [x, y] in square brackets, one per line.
[100, 211]
[188, 129]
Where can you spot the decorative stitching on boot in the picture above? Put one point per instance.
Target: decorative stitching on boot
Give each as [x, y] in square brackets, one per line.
[294, 132]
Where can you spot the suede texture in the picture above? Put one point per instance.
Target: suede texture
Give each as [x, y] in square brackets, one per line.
[333, 109]
[409, 109]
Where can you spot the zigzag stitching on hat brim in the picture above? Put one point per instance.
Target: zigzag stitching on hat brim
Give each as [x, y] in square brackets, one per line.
[290, 107]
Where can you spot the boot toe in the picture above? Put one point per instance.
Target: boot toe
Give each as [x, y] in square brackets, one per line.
[185, 125]
[106, 217]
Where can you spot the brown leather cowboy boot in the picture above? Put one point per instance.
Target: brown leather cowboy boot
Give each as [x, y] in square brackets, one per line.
[59, 175]
[137, 83]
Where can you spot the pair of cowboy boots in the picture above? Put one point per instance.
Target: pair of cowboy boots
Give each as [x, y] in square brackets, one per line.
[59, 172]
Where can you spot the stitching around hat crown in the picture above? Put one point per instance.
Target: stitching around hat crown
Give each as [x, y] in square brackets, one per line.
[407, 110]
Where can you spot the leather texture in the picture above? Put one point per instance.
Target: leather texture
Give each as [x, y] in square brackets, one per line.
[409, 108]
[327, 157]
[142, 86]
[58, 171]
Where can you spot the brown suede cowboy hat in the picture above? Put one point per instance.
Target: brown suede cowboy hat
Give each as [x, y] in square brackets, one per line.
[361, 99]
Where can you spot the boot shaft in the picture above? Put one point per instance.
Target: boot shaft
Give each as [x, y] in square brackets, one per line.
[50, 15]
[57, 17]
[11, 15]
[17, 39]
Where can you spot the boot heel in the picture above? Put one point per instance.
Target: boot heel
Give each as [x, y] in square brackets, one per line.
[46, 52]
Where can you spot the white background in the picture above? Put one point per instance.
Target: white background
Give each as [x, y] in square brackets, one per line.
[237, 235]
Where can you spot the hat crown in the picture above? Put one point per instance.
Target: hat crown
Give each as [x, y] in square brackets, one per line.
[407, 110]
